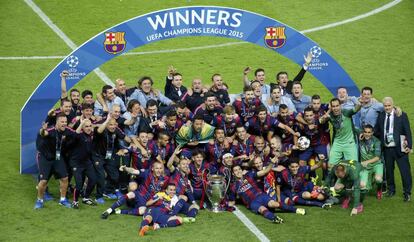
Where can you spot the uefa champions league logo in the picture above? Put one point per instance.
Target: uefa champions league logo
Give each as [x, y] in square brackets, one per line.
[316, 63]
[316, 51]
[72, 61]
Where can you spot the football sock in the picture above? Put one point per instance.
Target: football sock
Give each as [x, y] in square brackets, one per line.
[173, 223]
[145, 222]
[302, 201]
[288, 208]
[192, 213]
[120, 202]
[269, 215]
[178, 206]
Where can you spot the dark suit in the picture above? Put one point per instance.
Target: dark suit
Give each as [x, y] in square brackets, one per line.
[401, 127]
[172, 92]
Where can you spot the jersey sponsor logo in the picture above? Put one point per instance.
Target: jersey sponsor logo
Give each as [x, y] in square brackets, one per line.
[275, 37]
[114, 42]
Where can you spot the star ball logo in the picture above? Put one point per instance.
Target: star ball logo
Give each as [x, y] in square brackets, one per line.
[114, 42]
[275, 37]
[316, 63]
[73, 61]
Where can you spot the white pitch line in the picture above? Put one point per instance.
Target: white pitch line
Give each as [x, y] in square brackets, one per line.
[356, 18]
[250, 225]
[327, 26]
[64, 37]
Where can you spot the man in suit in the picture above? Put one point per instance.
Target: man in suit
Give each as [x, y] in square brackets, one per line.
[390, 127]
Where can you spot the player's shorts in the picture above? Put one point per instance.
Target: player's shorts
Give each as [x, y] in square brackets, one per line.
[47, 167]
[261, 200]
[339, 152]
[289, 194]
[197, 193]
[317, 149]
[140, 200]
[158, 216]
[366, 174]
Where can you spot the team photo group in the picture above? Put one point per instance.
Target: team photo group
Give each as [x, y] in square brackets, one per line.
[273, 148]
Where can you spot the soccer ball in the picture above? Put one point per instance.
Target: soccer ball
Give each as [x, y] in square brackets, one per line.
[303, 142]
[72, 61]
[316, 51]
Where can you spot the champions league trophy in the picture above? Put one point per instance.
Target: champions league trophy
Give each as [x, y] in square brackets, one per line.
[215, 188]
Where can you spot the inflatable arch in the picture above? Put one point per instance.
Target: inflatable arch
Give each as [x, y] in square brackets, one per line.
[173, 23]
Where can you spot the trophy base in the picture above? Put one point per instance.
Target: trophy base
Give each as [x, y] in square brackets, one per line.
[216, 210]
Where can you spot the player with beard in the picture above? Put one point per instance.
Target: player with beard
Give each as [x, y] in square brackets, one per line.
[50, 144]
[219, 90]
[209, 109]
[217, 147]
[165, 147]
[319, 142]
[319, 109]
[288, 120]
[246, 105]
[152, 181]
[243, 146]
[74, 95]
[198, 133]
[273, 101]
[143, 160]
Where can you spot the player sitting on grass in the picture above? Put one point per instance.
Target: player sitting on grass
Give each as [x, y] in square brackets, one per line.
[347, 173]
[151, 182]
[158, 212]
[251, 195]
[295, 186]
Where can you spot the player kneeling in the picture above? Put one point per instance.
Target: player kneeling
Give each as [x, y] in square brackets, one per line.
[348, 184]
[252, 196]
[158, 212]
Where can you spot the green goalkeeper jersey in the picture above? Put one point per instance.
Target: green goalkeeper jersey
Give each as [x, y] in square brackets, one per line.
[370, 149]
[351, 179]
[343, 127]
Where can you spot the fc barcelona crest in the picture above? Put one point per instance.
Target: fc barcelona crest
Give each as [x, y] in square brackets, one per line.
[275, 37]
[114, 42]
